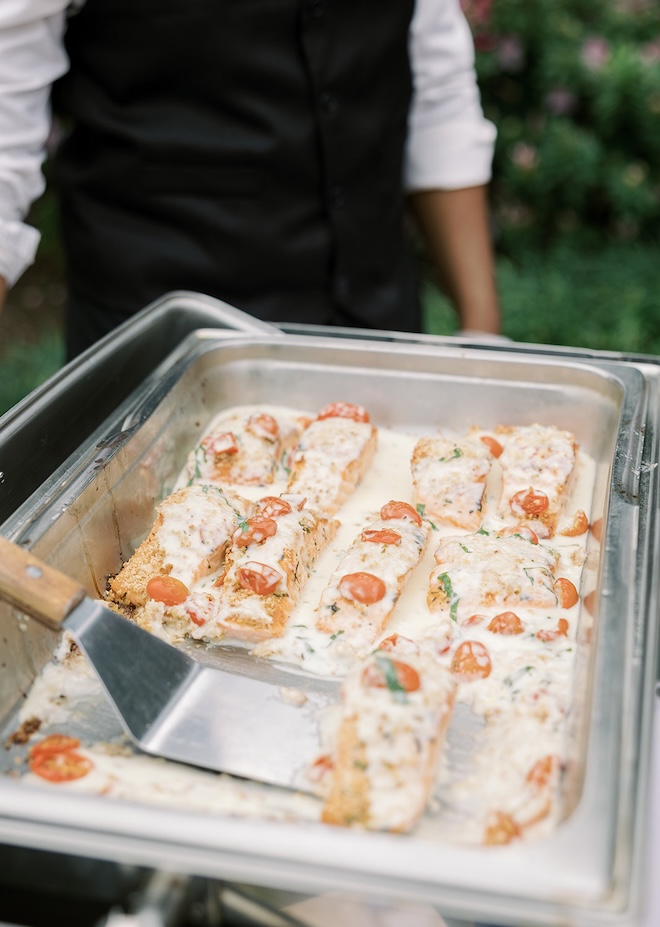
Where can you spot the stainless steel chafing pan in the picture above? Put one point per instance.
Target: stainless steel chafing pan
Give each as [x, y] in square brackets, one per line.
[95, 508]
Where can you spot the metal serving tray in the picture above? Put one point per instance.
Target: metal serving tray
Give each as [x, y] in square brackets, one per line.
[94, 508]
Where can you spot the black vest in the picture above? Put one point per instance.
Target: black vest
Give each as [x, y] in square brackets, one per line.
[247, 149]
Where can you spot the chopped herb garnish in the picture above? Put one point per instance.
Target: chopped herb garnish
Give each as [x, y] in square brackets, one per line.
[391, 678]
[451, 595]
[457, 453]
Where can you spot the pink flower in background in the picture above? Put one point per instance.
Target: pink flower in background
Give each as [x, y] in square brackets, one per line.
[595, 53]
[525, 156]
[650, 52]
[477, 12]
[560, 101]
[510, 54]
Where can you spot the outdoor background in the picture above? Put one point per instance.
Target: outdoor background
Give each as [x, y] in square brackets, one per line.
[574, 89]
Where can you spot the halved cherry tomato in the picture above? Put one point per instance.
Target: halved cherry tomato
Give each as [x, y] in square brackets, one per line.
[295, 500]
[255, 530]
[493, 446]
[362, 587]
[578, 526]
[263, 426]
[471, 660]
[523, 530]
[560, 631]
[274, 506]
[472, 620]
[566, 593]
[395, 509]
[597, 529]
[221, 444]
[506, 623]
[387, 673]
[54, 743]
[500, 829]
[529, 502]
[344, 410]
[394, 640]
[167, 589]
[381, 536]
[542, 770]
[590, 601]
[259, 577]
[61, 767]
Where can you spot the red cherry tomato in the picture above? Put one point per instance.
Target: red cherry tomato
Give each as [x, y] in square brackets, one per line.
[221, 444]
[529, 502]
[344, 410]
[506, 623]
[54, 743]
[566, 593]
[263, 425]
[381, 536]
[578, 526]
[471, 660]
[493, 446]
[560, 631]
[273, 507]
[61, 767]
[391, 674]
[167, 589]
[362, 587]
[402, 510]
[523, 530]
[259, 577]
[256, 530]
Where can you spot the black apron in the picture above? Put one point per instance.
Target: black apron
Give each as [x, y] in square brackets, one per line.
[247, 149]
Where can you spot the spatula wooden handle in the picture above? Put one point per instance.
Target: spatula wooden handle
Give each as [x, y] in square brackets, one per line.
[34, 587]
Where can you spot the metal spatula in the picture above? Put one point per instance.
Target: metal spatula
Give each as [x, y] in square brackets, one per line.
[170, 704]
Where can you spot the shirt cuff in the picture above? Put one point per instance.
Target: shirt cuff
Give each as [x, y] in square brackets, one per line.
[18, 248]
[450, 157]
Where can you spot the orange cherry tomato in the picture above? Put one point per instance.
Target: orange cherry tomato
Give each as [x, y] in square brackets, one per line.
[388, 673]
[362, 587]
[273, 507]
[381, 536]
[566, 593]
[54, 743]
[590, 601]
[578, 526]
[471, 660]
[493, 446]
[344, 410]
[263, 425]
[597, 529]
[402, 510]
[506, 623]
[542, 770]
[61, 767]
[167, 589]
[560, 631]
[259, 577]
[256, 530]
[523, 530]
[221, 444]
[529, 502]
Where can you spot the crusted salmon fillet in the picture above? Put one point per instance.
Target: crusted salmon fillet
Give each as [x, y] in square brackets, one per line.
[449, 475]
[333, 455]
[538, 463]
[246, 446]
[395, 715]
[481, 570]
[363, 590]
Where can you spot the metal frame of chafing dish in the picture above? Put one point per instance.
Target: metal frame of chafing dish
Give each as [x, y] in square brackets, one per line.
[619, 907]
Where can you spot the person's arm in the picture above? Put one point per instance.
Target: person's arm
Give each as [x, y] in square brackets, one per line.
[31, 58]
[448, 162]
[455, 226]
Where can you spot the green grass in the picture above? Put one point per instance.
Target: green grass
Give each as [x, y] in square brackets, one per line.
[607, 300]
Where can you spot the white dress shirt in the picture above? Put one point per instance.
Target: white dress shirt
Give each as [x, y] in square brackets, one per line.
[450, 144]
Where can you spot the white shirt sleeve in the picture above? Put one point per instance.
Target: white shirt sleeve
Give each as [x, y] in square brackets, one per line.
[450, 143]
[31, 57]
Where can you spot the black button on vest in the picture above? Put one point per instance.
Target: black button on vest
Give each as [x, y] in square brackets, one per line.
[247, 149]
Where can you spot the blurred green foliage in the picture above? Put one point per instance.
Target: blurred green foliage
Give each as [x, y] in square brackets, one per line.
[573, 87]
